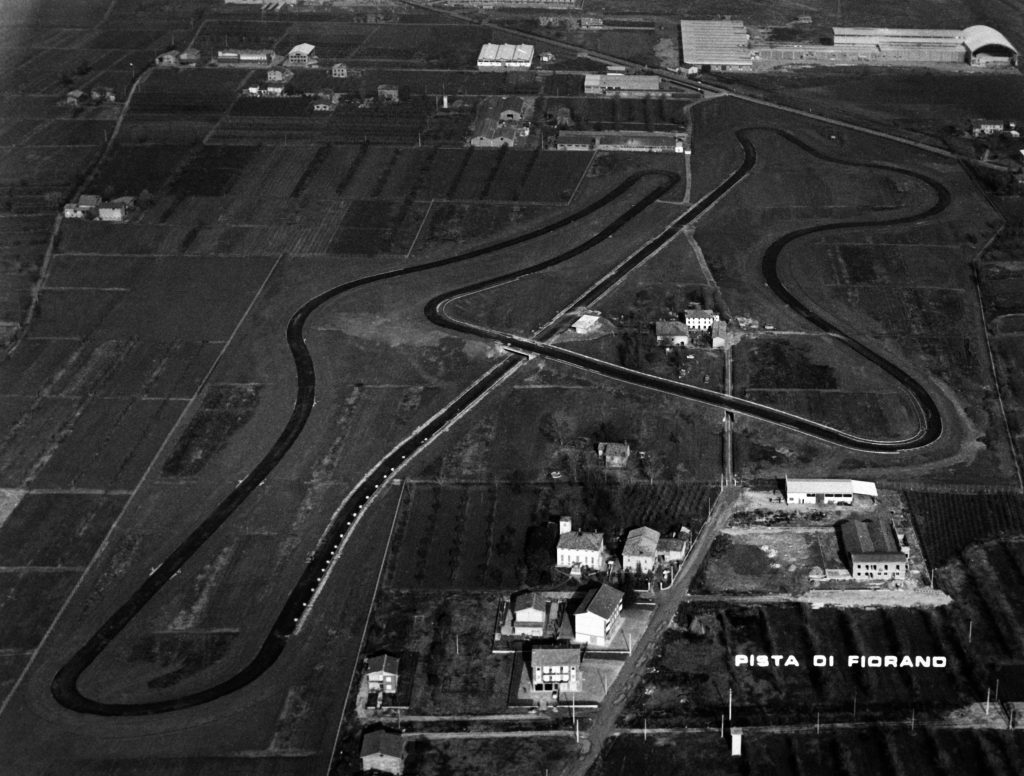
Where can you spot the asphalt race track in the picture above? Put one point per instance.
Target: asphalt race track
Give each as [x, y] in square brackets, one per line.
[65, 683]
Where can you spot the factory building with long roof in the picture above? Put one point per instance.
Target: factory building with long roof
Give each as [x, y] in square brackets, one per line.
[715, 45]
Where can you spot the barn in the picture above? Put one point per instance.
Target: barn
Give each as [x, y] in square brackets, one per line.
[821, 491]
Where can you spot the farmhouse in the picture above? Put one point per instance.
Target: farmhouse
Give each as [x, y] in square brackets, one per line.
[715, 45]
[279, 75]
[673, 548]
[387, 93]
[75, 97]
[555, 669]
[700, 320]
[382, 674]
[871, 549]
[303, 55]
[505, 56]
[801, 491]
[671, 333]
[621, 84]
[529, 615]
[170, 58]
[498, 122]
[597, 615]
[384, 751]
[115, 212]
[640, 551]
[579, 548]
[982, 127]
[339, 70]
[614, 455]
[86, 206]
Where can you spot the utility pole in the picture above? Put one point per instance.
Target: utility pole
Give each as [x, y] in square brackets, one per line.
[730, 704]
[970, 631]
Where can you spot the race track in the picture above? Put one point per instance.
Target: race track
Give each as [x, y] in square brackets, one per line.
[65, 683]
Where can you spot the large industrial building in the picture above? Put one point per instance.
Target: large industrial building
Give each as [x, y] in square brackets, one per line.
[725, 45]
[978, 46]
[715, 45]
[505, 56]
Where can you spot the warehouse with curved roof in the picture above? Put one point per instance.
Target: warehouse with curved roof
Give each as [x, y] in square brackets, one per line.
[986, 46]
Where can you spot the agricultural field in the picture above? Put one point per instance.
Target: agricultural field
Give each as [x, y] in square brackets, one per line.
[653, 114]
[815, 378]
[502, 535]
[879, 751]
[911, 101]
[509, 433]
[695, 662]
[435, 758]
[225, 408]
[467, 677]
[948, 523]
[985, 580]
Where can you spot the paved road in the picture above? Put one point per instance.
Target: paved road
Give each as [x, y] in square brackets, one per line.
[604, 722]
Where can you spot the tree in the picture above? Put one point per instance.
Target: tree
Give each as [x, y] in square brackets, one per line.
[558, 426]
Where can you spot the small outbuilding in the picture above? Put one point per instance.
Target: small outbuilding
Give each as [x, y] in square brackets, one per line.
[383, 751]
[613, 455]
[671, 333]
[387, 93]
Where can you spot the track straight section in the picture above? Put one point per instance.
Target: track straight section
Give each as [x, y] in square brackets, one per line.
[65, 684]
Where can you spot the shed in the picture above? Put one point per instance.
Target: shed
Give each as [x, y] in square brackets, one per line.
[384, 751]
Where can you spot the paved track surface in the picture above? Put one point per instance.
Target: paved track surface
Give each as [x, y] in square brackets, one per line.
[65, 683]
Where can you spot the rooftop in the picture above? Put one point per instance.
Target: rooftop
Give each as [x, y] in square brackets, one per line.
[715, 42]
[555, 656]
[529, 601]
[386, 663]
[382, 742]
[868, 536]
[577, 540]
[506, 52]
[641, 541]
[601, 601]
[302, 49]
[670, 328]
[856, 487]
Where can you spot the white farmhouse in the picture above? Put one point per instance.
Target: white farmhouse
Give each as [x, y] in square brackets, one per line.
[594, 619]
[640, 551]
[700, 320]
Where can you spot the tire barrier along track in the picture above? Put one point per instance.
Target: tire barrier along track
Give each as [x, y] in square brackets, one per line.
[64, 686]
[930, 421]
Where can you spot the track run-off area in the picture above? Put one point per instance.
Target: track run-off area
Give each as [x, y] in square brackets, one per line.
[64, 685]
